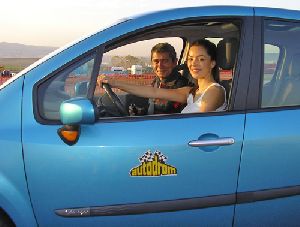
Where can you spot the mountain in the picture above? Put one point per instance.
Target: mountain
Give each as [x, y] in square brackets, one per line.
[17, 50]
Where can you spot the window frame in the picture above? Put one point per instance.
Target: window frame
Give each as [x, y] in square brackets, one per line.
[37, 102]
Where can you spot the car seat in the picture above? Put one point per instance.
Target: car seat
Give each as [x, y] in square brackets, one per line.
[226, 57]
[290, 93]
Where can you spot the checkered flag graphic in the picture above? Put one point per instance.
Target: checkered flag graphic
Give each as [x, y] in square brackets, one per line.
[147, 157]
[161, 158]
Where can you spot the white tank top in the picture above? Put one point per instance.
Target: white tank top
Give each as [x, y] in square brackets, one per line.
[193, 107]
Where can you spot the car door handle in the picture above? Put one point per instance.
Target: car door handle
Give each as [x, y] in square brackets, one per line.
[212, 142]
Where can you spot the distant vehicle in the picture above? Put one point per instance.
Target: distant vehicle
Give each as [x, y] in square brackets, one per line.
[72, 155]
[137, 69]
[117, 69]
[7, 73]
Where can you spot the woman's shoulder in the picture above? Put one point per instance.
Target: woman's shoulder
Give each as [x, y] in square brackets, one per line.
[216, 85]
[214, 98]
[215, 89]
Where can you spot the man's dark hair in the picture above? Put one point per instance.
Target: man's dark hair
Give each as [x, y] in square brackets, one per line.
[164, 48]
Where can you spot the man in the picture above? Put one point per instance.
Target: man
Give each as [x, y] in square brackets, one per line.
[164, 61]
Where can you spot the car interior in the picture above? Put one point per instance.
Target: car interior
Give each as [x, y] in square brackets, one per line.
[282, 89]
[225, 33]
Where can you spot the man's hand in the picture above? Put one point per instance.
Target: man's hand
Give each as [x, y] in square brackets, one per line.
[102, 79]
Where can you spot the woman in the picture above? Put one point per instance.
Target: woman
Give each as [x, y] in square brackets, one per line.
[206, 95]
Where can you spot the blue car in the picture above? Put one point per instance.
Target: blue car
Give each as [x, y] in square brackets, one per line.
[72, 154]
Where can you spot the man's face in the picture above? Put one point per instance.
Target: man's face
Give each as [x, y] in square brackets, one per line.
[162, 64]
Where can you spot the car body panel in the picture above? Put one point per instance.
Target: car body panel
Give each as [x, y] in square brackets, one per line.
[14, 198]
[276, 212]
[270, 160]
[96, 171]
[270, 148]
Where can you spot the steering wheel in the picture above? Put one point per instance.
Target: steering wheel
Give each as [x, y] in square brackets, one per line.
[115, 99]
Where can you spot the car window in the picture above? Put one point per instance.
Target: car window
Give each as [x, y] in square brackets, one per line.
[281, 78]
[70, 83]
[271, 57]
[130, 63]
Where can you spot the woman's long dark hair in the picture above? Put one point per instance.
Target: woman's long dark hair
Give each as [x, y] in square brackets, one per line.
[211, 50]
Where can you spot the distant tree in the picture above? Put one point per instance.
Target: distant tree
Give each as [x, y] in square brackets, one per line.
[117, 61]
[131, 60]
[128, 61]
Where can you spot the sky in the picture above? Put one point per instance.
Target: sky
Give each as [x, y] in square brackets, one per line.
[58, 22]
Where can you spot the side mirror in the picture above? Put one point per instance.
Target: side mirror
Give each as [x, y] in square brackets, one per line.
[73, 113]
[77, 111]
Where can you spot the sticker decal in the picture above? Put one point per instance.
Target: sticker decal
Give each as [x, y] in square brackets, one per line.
[153, 165]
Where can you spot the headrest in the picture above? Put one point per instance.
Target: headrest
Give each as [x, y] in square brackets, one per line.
[184, 71]
[294, 68]
[226, 53]
[181, 67]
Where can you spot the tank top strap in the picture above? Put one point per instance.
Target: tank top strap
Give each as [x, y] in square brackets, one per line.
[190, 98]
[213, 84]
[200, 98]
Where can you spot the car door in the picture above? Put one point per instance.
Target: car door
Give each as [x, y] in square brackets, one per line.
[102, 175]
[133, 171]
[268, 189]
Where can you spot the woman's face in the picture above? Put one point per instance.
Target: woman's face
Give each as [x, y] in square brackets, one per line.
[199, 62]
